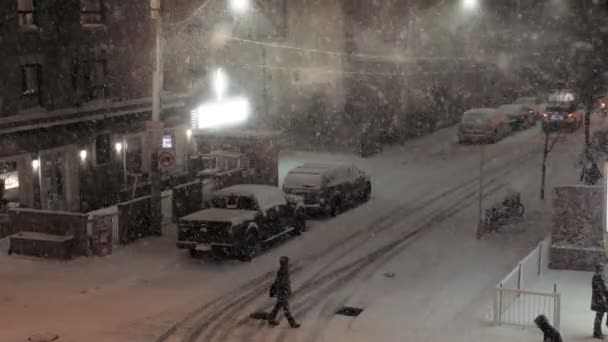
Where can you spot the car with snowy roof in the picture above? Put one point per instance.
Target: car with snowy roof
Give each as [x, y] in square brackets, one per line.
[328, 188]
[520, 116]
[241, 221]
[487, 124]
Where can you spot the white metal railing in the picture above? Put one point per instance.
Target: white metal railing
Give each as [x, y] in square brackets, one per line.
[514, 304]
[521, 307]
[166, 210]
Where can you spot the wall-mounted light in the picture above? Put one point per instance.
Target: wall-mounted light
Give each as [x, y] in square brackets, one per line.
[118, 146]
[35, 164]
[83, 155]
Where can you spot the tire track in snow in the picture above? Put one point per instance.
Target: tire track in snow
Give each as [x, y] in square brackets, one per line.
[224, 304]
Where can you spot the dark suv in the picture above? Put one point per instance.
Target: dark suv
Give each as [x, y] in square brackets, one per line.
[242, 219]
[328, 188]
[562, 115]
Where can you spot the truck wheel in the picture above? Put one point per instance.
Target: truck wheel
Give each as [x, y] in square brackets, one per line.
[251, 246]
[367, 192]
[335, 207]
[299, 227]
[195, 254]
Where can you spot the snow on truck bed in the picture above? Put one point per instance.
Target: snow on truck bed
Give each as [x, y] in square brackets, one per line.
[313, 175]
[267, 196]
[233, 216]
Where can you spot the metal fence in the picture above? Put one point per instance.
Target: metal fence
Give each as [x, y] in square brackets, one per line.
[516, 305]
[166, 207]
[112, 213]
[521, 307]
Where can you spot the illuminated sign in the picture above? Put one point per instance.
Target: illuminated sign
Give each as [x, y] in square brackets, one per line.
[167, 141]
[221, 113]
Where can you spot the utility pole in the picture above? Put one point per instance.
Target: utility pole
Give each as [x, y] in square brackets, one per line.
[546, 150]
[155, 126]
[544, 167]
[480, 203]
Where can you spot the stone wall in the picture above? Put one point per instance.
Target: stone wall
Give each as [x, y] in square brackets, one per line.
[578, 234]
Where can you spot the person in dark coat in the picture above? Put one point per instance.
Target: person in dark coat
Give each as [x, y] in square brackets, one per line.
[281, 289]
[550, 334]
[599, 304]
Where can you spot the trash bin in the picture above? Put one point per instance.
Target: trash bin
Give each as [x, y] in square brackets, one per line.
[101, 240]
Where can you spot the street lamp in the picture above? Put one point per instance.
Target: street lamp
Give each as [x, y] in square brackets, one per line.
[239, 6]
[220, 84]
[470, 4]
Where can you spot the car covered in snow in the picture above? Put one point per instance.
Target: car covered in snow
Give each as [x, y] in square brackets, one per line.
[329, 188]
[241, 221]
[520, 116]
[483, 124]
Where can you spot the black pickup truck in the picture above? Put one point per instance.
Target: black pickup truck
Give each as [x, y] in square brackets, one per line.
[242, 220]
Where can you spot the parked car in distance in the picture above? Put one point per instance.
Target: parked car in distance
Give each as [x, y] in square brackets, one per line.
[563, 115]
[520, 116]
[328, 188]
[242, 220]
[483, 124]
[534, 102]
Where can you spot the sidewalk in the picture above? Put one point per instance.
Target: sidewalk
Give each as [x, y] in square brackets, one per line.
[575, 289]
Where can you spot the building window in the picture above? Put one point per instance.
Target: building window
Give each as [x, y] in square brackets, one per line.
[30, 85]
[90, 78]
[95, 79]
[91, 12]
[103, 149]
[10, 176]
[26, 12]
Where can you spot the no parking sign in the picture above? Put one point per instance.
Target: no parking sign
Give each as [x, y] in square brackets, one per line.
[166, 159]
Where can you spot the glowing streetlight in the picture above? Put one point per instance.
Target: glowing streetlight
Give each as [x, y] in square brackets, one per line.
[220, 83]
[188, 134]
[118, 146]
[239, 6]
[83, 155]
[470, 4]
[35, 164]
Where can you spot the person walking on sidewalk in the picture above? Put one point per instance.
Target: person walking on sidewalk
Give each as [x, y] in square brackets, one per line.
[550, 334]
[281, 289]
[599, 304]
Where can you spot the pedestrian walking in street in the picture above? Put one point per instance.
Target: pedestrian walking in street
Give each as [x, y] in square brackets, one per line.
[281, 289]
[550, 334]
[599, 304]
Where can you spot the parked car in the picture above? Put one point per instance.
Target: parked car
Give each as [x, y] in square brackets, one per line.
[329, 188]
[520, 116]
[242, 220]
[534, 102]
[563, 115]
[483, 124]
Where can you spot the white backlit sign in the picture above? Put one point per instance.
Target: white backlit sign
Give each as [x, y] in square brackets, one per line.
[167, 141]
[221, 113]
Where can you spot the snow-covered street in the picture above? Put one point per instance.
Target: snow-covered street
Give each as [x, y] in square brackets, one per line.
[408, 257]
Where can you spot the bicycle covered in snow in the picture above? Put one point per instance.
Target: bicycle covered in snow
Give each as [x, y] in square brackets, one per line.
[500, 215]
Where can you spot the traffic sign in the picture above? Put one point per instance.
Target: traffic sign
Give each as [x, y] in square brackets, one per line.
[166, 159]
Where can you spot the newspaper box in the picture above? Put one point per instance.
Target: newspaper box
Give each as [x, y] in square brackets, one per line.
[102, 235]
